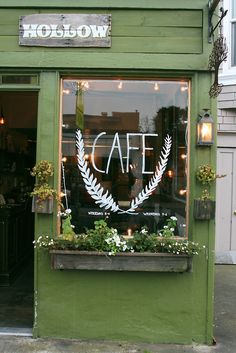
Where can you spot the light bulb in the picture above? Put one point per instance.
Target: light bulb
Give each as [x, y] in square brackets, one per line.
[156, 87]
[129, 232]
[170, 173]
[66, 91]
[120, 85]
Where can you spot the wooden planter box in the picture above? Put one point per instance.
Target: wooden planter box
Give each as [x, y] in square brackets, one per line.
[148, 262]
[204, 210]
[45, 206]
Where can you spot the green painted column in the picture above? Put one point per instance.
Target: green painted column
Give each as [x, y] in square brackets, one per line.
[47, 148]
[202, 231]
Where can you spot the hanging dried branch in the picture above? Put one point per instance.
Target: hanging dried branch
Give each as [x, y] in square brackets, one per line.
[218, 55]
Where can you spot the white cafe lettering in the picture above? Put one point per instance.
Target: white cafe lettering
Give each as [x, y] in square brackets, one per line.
[117, 146]
[64, 31]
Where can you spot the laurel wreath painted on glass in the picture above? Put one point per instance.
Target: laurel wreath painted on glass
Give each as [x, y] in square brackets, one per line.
[103, 198]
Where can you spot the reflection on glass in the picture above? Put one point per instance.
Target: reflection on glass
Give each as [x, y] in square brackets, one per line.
[124, 125]
[233, 9]
[233, 49]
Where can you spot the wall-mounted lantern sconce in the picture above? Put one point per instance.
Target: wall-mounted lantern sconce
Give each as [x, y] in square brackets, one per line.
[205, 130]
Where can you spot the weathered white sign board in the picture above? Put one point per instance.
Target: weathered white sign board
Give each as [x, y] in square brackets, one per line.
[65, 30]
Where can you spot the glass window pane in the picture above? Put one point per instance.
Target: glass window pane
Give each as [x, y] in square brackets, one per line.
[19, 79]
[233, 59]
[233, 9]
[123, 149]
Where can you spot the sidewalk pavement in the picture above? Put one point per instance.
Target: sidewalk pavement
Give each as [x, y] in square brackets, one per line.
[225, 330]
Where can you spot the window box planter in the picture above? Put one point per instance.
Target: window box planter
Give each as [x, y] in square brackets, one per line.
[204, 209]
[45, 206]
[147, 262]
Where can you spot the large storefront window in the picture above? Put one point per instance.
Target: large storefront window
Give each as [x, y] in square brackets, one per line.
[130, 162]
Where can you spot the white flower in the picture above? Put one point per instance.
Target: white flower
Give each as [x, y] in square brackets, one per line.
[172, 229]
[144, 231]
[114, 231]
[68, 211]
[173, 218]
[116, 239]
[124, 247]
[165, 227]
[61, 214]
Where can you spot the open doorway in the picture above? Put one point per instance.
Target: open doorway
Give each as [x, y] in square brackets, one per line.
[18, 127]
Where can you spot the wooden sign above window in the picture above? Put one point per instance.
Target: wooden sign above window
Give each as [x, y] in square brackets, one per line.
[65, 30]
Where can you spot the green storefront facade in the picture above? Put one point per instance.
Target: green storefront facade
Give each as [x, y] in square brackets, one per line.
[158, 40]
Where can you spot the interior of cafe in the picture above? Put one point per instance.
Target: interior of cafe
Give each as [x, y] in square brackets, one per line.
[18, 127]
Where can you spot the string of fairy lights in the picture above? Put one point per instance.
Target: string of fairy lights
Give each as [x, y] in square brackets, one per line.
[64, 184]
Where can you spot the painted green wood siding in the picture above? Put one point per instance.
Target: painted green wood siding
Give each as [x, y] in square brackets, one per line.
[164, 38]
[160, 31]
[123, 4]
[150, 307]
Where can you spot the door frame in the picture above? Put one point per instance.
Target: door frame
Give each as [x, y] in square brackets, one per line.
[32, 86]
[227, 142]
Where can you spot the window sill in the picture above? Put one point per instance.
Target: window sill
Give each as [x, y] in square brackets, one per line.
[146, 262]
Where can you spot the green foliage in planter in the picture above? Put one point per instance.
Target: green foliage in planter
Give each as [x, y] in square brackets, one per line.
[67, 228]
[97, 237]
[170, 227]
[105, 239]
[43, 170]
[44, 192]
[143, 241]
[205, 175]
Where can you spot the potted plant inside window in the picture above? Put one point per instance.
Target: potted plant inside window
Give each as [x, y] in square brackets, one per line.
[204, 207]
[43, 194]
[102, 248]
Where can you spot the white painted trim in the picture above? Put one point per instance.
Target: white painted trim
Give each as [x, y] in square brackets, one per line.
[228, 74]
[16, 331]
[225, 257]
[226, 139]
[229, 79]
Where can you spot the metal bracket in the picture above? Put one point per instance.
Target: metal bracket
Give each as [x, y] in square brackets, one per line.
[212, 4]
